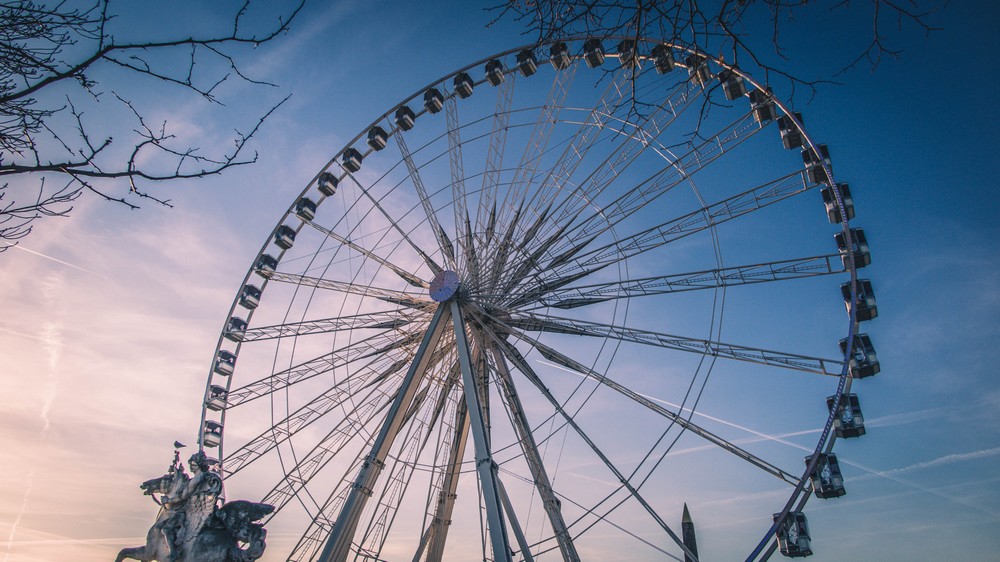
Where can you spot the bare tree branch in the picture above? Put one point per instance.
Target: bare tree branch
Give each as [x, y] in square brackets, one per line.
[56, 48]
[717, 27]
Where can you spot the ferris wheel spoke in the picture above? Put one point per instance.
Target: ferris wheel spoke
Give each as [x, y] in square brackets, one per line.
[348, 388]
[678, 168]
[444, 244]
[643, 134]
[583, 295]
[405, 275]
[390, 320]
[494, 158]
[457, 167]
[363, 415]
[539, 476]
[351, 426]
[433, 265]
[567, 362]
[587, 134]
[318, 530]
[521, 364]
[373, 346]
[412, 300]
[598, 518]
[585, 231]
[537, 143]
[553, 324]
[696, 221]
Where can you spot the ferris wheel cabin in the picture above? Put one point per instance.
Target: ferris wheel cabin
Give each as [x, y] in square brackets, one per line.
[494, 72]
[663, 59]
[377, 138]
[867, 308]
[211, 435]
[225, 363]
[627, 53]
[791, 136]
[762, 106]
[698, 69]
[593, 53]
[250, 296]
[305, 209]
[863, 362]
[463, 85]
[284, 237]
[216, 399]
[857, 245]
[236, 329]
[849, 421]
[559, 56]
[265, 266]
[793, 535]
[351, 160]
[527, 62]
[327, 184]
[830, 202]
[433, 100]
[405, 118]
[732, 84]
[827, 480]
[815, 170]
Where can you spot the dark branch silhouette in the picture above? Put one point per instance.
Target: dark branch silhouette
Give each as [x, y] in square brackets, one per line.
[52, 150]
[729, 29]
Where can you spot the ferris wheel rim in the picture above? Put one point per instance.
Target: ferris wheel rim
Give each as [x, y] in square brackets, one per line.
[844, 378]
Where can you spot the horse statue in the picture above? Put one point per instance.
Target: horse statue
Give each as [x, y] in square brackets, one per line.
[194, 524]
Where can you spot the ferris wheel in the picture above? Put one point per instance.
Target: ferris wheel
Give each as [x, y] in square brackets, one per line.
[538, 308]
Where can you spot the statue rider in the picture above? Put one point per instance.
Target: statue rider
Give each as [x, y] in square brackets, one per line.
[175, 524]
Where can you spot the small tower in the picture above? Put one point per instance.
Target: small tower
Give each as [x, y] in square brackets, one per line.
[687, 530]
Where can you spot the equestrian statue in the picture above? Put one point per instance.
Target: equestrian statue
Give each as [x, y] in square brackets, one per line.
[194, 524]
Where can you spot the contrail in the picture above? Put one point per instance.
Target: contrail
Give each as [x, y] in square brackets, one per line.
[775, 438]
[51, 337]
[59, 261]
[871, 473]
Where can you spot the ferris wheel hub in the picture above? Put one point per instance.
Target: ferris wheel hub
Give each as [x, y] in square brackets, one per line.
[444, 286]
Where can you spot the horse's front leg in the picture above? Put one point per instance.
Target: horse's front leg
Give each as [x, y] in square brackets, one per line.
[136, 553]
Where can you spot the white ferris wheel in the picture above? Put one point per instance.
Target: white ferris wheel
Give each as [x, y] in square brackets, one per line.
[538, 306]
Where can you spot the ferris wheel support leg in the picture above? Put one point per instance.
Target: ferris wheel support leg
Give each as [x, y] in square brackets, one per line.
[512, 517]
[446, 504]
[338, 544]
[485, 466]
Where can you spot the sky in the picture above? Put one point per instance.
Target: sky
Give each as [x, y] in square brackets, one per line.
[111, 316]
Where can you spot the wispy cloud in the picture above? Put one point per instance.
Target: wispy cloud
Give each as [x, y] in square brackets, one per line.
[940, 461]
[51, 338]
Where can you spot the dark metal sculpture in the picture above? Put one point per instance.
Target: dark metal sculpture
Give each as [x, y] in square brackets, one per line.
[194, 524]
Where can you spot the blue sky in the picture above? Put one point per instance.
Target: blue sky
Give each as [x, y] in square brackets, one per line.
[111, 316]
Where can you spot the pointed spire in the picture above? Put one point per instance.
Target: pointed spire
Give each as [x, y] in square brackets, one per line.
[690, 542]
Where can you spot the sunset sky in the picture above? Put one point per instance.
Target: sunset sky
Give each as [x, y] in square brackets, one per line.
[109, 318]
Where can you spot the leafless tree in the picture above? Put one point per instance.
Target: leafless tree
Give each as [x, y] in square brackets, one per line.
[65, 65]
[746, 33]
